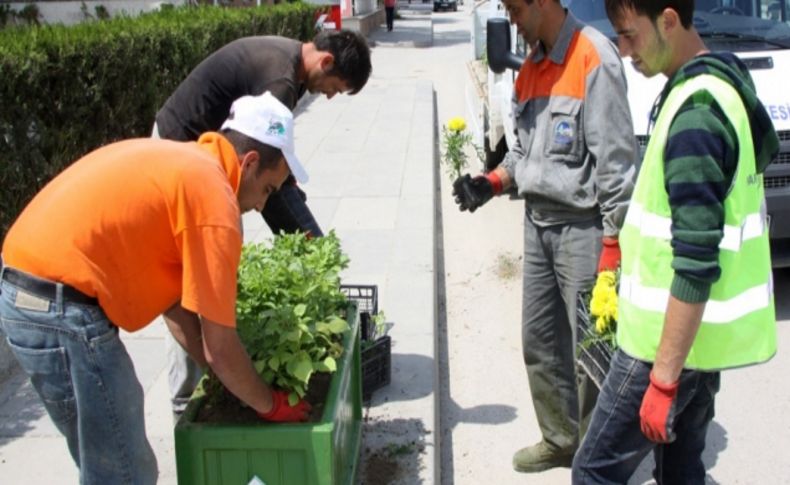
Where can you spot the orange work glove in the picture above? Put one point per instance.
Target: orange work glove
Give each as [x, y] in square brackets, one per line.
[610, 255]
[658, 407]
[283, 412]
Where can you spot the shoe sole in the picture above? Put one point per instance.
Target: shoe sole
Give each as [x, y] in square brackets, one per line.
[542, 467]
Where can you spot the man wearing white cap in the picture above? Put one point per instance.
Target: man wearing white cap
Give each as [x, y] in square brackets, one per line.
[132, 230]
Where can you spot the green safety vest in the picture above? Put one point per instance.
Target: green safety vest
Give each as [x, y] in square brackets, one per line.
[739, 322]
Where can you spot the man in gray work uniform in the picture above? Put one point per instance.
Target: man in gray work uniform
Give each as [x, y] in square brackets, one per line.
[335, 62]
[574, 162]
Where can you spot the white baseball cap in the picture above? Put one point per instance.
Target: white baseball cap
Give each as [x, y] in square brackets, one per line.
[267, 120]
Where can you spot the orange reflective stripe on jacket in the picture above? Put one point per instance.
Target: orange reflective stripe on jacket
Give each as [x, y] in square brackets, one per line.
[550, 79]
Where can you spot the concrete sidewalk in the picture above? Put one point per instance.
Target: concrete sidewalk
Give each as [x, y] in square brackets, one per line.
[371, 159]
[413, 28]
[371, 163]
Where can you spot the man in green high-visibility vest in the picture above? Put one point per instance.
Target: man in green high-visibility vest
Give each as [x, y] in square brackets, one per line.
[695, 291]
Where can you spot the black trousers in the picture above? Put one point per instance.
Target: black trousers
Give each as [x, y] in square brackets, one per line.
[390, 16]
[286, 211]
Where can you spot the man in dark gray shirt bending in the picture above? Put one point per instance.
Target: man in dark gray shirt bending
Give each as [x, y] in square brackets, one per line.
[334, 62]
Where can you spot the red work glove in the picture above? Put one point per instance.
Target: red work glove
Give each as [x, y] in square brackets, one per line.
[610, 255]
[657, 408]
[283, 412]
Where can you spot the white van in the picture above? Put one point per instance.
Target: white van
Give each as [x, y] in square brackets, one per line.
[758, 31]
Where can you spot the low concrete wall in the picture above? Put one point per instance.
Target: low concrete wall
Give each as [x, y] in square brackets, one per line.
[365, 23]
[70, 13]
[362, 7]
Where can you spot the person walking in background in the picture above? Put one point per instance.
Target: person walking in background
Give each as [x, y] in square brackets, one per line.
[389, 9]
[696, 293]
[574, 163]
[132, 230]
[335, 62]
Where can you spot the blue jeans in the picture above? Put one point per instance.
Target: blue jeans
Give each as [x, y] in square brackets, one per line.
[614, 444]
[86, 380]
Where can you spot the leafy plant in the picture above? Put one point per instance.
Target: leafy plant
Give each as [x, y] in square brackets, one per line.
[455, 140]
[377, 328]
[290, 308]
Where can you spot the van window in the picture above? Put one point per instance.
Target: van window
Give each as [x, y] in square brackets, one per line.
[733, 25]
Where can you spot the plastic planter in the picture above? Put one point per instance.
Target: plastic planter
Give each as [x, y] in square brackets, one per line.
[320, 453]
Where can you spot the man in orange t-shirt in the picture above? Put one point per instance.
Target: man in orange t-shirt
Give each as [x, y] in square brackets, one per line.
[132, 230]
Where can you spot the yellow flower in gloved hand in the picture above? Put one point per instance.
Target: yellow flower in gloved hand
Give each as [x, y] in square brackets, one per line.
[603, 305]
[600, 325]
[606, 279]
[456, 124]
[597, 303]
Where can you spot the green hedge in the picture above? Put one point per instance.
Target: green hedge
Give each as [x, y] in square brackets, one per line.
[68, 90]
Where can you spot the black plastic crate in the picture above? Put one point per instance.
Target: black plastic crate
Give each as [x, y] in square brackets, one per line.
[376, 355]
[376, 365]
[593, 357]
[366, 297]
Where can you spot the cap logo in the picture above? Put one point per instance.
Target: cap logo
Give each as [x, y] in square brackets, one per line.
[275, 128]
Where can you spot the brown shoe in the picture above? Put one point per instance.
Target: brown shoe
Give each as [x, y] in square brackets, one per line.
[540, 457]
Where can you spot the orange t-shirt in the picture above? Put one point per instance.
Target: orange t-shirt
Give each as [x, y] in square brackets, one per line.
[140, 224]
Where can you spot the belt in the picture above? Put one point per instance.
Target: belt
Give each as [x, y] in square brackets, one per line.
[44, 288]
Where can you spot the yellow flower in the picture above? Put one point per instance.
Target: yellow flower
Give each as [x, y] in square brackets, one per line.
[603, 304]
[456, 124]
[600, 325]
[606, 278]
[597, 304]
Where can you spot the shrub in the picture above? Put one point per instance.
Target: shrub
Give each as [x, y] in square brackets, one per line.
[69, 90]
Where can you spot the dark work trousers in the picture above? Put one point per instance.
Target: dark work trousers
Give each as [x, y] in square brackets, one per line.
[559, 262]
[390, 16]
[286, 211]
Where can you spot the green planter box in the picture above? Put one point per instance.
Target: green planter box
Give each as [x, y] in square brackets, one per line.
[321, 453]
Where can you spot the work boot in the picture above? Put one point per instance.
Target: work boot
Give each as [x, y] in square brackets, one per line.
[541, 456]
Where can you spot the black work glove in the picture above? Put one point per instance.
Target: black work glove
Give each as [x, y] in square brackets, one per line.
[470, 193]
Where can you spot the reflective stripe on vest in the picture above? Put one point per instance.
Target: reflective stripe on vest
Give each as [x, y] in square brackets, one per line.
[653, 225]
[739, 323]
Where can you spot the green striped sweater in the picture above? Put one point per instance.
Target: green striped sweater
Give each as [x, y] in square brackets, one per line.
[701, 157]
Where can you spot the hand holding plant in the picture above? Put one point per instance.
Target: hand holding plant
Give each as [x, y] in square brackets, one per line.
[283, 412]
